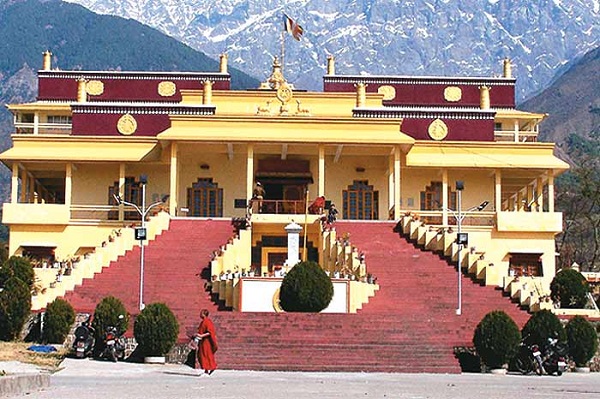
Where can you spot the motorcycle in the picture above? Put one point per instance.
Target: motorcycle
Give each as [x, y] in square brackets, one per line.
[83, 345]
[114, 344]
[549, 359]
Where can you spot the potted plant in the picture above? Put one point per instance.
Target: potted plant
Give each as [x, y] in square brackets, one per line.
[155, 330]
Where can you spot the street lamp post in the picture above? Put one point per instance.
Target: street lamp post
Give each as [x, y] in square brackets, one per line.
[462, 238]
[140, 234]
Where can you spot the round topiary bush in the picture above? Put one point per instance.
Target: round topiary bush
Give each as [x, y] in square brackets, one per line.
[155, 330]
[570, 289]
[15, 306]
[58, 320]
[306, 288]
[19, 267]
[496, 339]
[110, 311]
[541, 326]
[583, 340]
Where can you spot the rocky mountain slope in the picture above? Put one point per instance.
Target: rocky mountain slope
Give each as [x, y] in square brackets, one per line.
[428, 37]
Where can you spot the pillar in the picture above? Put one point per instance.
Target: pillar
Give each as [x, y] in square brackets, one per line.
[121, 190]
[397, 190]
[207, 92]
[69, 184]
[293, 237]
[14, 187]
[173, 186]
[249, 171]
[507, 68]
[550, 191]
[539, 194]
[361, 94]
[321, 188]
[81, 93]
[47, 63]
[330, 65]
[223, 63]
[498, 190]
[445, 202]
[484, 100]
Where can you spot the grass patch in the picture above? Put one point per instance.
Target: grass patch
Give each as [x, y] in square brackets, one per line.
[17, 351]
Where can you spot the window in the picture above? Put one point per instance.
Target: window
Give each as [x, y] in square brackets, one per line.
[205, 199]
[59, 119]
[132, 192]
[525, 265]
[431, 198]
[361, 202]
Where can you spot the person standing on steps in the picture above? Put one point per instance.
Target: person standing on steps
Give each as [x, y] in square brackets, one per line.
[207, 346]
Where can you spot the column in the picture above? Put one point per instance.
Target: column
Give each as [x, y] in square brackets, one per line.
[69, 184]
[397, 190]
[539, 196]
[550, 191]
[445, 203]
[520, 206]
[498, 190]
[390, 183]
[121, 190]
[14, 187]
[293, 237]
[321, 170]
[24, 186]
[173, 186]
[36, 123]
[249, 171]
[530, 199]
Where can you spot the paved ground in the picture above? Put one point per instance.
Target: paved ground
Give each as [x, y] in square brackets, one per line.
[81, 379]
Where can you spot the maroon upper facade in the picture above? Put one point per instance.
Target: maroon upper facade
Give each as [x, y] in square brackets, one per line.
[429, 91]
[125, 86]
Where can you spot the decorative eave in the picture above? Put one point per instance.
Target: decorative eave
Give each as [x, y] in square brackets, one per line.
[412, 80]
[148, 108]
[134, 75]
[426, 113]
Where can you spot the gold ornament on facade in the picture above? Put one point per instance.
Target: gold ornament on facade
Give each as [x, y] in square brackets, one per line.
[389, 92]
[453, 93]
[301, 111]
[127, 125]
[438, 130]
[264, 109]
[94, 87]
[284, 93]
[166, 89]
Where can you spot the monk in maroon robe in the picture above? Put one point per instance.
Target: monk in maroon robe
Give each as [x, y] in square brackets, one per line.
[208, 344]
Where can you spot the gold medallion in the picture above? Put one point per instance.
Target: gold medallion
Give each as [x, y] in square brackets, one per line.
[166, 89]
[94, 88]
[453, 93]
[438, 130]
[127, 125]
[284, 93]
[389, 92]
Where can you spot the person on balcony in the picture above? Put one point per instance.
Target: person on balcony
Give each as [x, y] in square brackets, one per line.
[258, 195]
[332, 215]
[316, 208]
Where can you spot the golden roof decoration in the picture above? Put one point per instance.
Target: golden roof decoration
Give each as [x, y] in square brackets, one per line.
[166, 88]
[389, 92]
[127, 125]
[438, 130]
[94, 87]
[453, 93]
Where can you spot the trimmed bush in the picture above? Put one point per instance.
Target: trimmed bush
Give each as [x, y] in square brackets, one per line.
[58, 320]
[306, 288]
[155, 330]
[106, 314]
[15, 307]
[496, 339]
[541, 326]
[19, 267]
[583, 340]
[570, 289]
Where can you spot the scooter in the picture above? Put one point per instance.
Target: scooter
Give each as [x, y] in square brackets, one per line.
[114, 344]
[83, 345]
[551, 359]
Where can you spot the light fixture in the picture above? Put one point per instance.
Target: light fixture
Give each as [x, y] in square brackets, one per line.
[204, 166]
[360, 169]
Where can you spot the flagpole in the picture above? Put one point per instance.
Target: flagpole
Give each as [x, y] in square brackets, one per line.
[305, 225]
[282, 48]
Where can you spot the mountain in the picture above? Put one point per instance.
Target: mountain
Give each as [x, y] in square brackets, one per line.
[427, 37]
[572, 102]
[81, 39]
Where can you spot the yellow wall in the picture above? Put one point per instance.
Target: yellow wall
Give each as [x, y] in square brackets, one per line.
[91, 183]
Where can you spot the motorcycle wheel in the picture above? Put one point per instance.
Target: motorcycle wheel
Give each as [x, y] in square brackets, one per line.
[539, 368]
[113, 354]
[523, 365]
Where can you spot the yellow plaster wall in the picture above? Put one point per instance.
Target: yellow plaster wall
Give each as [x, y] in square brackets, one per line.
[91, 183]
[340, 175]
[230, 175]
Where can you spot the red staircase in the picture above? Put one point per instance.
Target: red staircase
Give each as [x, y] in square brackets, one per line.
[409, 326]
[173, 264]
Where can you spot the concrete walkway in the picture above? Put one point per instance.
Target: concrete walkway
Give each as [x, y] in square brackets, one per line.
[97, 379]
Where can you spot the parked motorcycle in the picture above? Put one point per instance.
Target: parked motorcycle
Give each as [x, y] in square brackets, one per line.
[83, 345]
[551, 358]
[114, 344]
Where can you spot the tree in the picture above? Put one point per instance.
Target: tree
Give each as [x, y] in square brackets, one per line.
[155, 330]
[58, 320]
[541, 326]
[496, 339]
[306, 288]
[569, 288]
[15, 306]
[110, 311]
[583, 340]
[19, 267]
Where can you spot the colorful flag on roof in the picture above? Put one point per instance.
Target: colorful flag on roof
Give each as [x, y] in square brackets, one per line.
[292, 27]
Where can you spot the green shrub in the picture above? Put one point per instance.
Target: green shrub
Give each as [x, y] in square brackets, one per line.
[15, 307]
[19, 267]
[541, 326]
[496, 339]
[306, 288]
[155, 330]
[106, 314]
[58, 320]
[583, 340]
[570, 289]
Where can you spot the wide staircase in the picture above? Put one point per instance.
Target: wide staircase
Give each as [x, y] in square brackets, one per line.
[174, 264]
[409, 326]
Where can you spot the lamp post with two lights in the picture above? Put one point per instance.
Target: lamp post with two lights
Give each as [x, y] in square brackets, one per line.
[140, 233]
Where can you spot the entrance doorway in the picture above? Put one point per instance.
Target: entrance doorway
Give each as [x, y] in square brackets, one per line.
[285, 183]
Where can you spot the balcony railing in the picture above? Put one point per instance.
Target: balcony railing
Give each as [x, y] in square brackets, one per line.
[520, 136]
[63, 129]
[280, 207]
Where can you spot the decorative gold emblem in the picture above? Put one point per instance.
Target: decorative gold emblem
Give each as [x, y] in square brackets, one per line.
[453, 93]
[284, 93]
[389, 92]
[438, 130]
[94, 87]
[127, 125]
[166, 89]
[276, 301]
